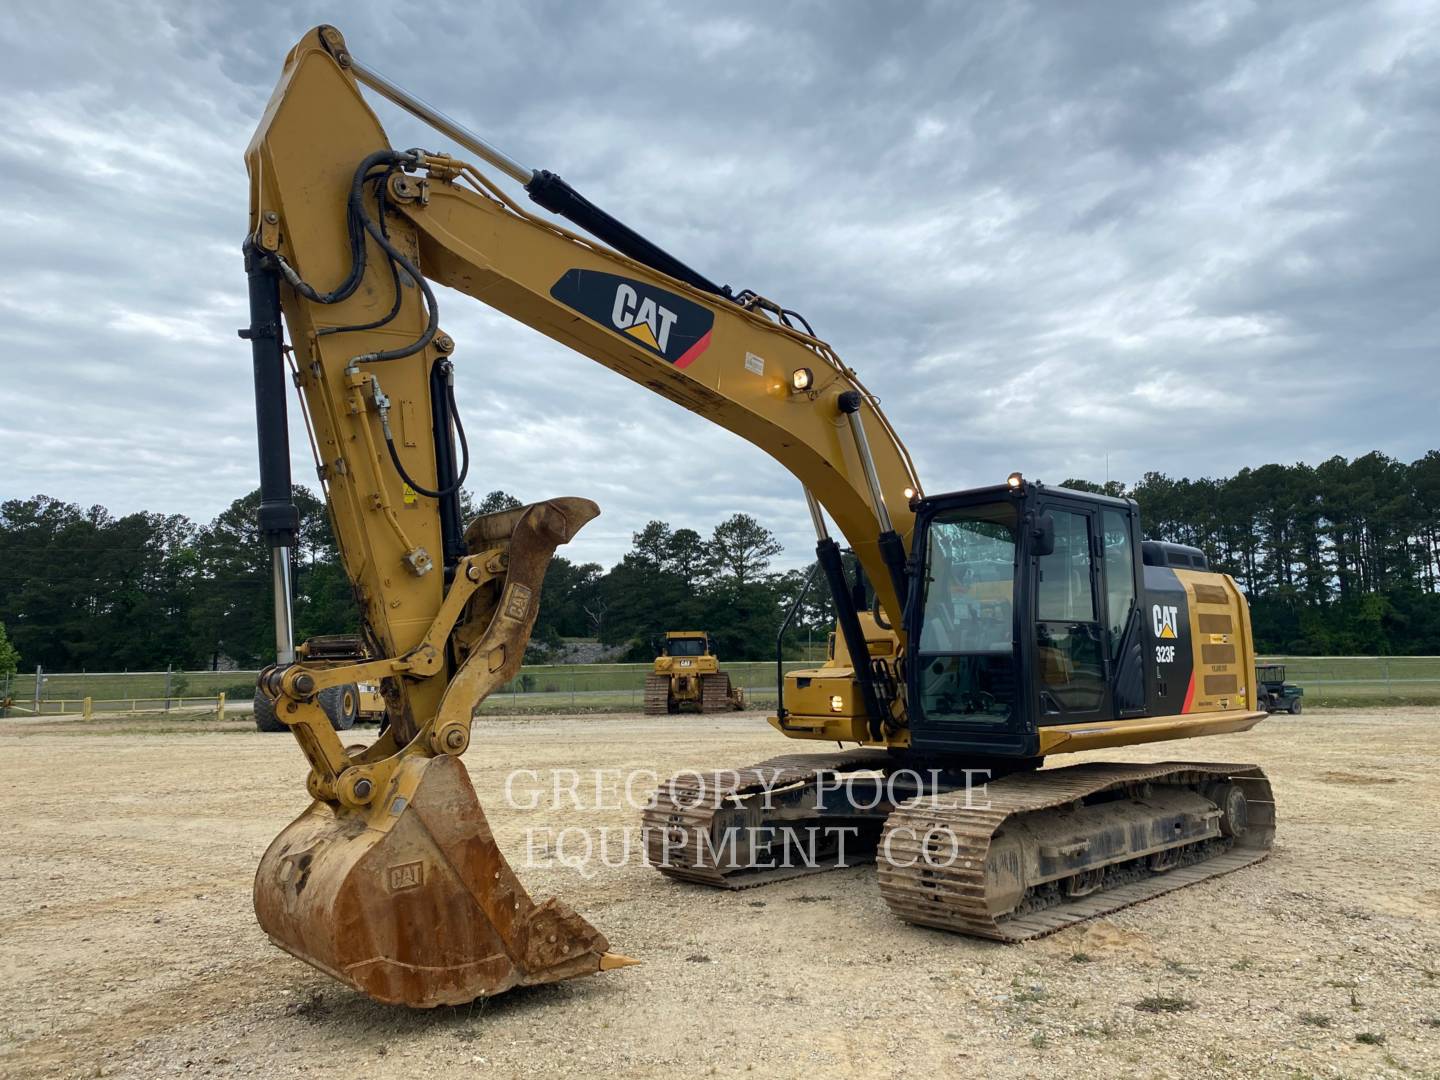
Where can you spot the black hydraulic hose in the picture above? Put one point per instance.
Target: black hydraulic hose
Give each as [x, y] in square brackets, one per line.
[380, 180]
[353, 227]
[357, 214]
[464, 454]
[398, 257]
[788, 314]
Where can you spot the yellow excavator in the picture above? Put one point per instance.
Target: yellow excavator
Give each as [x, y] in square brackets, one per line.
[979, 632]
[687, 677]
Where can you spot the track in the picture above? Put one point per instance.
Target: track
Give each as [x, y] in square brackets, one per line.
[715, 692]
[657, 695]
[937, 867]
[1101, 836]
[691, 815]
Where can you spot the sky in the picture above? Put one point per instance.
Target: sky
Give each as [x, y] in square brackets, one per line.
[1060, 238]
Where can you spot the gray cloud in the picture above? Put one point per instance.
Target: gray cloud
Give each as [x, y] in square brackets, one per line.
[1043, 233]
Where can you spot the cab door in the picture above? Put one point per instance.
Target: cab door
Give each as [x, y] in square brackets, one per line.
[1070, 654]
[1124, 623]
[966, 690]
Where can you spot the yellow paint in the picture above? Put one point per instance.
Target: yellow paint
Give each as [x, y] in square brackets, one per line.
[641, 332]
[1072, 738]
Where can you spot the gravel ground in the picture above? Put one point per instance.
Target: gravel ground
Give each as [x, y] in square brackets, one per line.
[130, 948]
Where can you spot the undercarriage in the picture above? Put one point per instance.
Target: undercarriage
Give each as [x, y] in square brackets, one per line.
[1009, 859]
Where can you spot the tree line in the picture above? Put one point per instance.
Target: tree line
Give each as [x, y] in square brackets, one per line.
[83, 589]
[1338, 558]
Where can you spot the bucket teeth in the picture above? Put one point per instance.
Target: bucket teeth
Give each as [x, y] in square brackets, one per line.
[612, 960]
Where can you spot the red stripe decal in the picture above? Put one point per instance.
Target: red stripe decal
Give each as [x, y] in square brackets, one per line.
[694, 351]
[1189, 695]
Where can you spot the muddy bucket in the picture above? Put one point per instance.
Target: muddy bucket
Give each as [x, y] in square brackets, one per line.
[405, 896]
[414, 903]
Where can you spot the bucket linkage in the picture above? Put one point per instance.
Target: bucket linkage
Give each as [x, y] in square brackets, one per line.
[391, 880]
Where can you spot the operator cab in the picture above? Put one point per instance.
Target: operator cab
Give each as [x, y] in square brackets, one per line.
[686, 645]
[1022, 613]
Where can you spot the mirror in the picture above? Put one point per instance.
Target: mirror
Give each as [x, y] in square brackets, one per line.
[1044, 536]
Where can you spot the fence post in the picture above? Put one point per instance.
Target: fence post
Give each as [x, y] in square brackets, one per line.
[39, 681]
[88, 709]
[1385, 665]
[220, 705]
[168, 684]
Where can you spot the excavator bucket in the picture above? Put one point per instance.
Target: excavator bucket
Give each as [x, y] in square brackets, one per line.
[421, 909]
[409, 899]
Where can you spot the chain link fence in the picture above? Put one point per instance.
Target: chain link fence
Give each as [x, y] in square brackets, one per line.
[550, 688]
[537, 689]
[1363, 680]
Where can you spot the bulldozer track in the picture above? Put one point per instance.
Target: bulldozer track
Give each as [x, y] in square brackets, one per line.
[657, 695]
[715, 692]
[933, 861]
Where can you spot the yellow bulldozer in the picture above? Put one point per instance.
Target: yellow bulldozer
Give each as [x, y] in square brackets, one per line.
[980, 632]
[687, 678]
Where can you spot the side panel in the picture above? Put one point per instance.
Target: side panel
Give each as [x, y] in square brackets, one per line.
[1199, 644]
[1224, 657]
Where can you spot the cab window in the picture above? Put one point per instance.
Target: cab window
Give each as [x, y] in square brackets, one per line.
[1119, 576]
[1069, 649]
[970, 581]
[1064, 592]
[967, 653]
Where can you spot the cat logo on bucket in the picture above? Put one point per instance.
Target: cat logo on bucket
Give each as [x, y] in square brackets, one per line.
[659, 321]
[1166, 620]
[410, 875]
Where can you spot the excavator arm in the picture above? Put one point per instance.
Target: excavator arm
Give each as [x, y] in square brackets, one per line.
[390, 880]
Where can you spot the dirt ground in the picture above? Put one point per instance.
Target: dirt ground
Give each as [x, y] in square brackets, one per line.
[129, 946]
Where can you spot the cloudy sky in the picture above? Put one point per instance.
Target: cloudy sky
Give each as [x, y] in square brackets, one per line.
[1189, 236]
